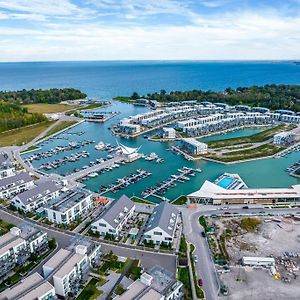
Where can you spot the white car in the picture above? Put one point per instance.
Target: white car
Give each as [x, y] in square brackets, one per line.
[195, 258]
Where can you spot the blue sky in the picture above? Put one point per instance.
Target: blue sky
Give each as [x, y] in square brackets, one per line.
[35, 30]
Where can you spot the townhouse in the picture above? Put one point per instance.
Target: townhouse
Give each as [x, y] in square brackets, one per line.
[37, 196]
[161, 225]
[12, 185]
[112, 220]
[32, 287]
[284, 138]
[68, 206]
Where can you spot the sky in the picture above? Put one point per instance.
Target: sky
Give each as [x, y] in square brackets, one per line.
[55, 30]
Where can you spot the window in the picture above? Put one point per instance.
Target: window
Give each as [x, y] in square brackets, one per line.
[157, 233]
[102, 224]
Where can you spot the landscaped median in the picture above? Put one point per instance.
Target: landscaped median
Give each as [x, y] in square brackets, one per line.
[199, 292]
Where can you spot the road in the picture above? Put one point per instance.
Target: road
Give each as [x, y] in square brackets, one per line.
[192, 230]
[65, 239]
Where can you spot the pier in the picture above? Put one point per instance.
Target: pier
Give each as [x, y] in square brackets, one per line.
[182, 177]
[95, 168]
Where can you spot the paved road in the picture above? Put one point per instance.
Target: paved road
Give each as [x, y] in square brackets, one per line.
[64, 239]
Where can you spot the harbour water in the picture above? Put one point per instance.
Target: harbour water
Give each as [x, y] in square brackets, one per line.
[259, 173]
[109, 79]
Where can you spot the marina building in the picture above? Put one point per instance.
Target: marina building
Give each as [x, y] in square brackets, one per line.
[32, 287]
[126, 127]
[230, 182]
[168, 133]
[284, 138]
[156, 284]
[258, 261]
[37, 196]
[68, 270]
[18, 245]
[112, 220]
[69, 206]
[193, 147]
[161, 226]
[12, 185]
[130, 154]
[211, 193]
[6, 167]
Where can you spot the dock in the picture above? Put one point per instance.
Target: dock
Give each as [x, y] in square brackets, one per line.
[95, 168]
[182, 177]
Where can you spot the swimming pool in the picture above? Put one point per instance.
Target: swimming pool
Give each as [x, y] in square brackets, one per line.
[225, 182]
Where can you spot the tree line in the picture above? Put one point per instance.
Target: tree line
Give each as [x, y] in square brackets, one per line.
[42, 96]
[13, 115]
[271, 96]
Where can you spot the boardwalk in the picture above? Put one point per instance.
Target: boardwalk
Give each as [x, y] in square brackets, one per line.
[95, 168]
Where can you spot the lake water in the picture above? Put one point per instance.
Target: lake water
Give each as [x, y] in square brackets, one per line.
[108, 79]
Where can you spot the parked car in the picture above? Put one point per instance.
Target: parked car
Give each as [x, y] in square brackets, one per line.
[203, 234]
[195, 258]
[200, 282]
[227, 213]
[245, 207]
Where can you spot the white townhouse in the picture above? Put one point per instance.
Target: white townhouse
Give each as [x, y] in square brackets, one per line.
[161, 225]
[284, 138]
[37, 196]
[193, 146]
[32, 287]
[6, 167]
[68, 206]
[114, 217]
[18, 244]
[12, 185]
[69, 269]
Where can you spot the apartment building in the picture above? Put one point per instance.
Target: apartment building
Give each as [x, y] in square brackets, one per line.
[18, 245]
[68, 206]
[70, 268]
[37, 196]
[6, 167]
[32, 287]
[193, 147]
[114, 217]
[161, 226]
[284, 138]
[156, 284]
[12, 185]
[168, 133]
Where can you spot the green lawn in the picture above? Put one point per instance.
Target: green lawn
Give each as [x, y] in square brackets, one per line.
[141, 200]
[119, 289]
[182, 200]
[23, 135]
[90, 292]
[5, 227]
[184, 277]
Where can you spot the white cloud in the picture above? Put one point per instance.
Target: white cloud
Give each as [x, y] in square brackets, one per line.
[234, 35]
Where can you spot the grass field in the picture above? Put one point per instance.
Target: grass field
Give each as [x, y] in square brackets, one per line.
[60, 126]
[4, 227]
[90, 292]
[256, 138]
[23, 135]
[48, 108]
[258, 152]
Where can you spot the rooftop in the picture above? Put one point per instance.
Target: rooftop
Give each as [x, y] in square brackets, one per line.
[68, 199]
[69, 264]
[164, 216]
[16, 180]
[193, 142]
[213, 191]
[116, 211]
[40, 190]
[30, 288]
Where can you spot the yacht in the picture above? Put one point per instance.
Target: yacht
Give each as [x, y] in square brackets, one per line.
[94, 174]
[100, 146]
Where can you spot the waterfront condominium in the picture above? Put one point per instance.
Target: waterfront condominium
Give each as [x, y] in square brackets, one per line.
[114, 217]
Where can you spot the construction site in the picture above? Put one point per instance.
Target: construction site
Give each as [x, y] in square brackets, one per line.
[260, 255]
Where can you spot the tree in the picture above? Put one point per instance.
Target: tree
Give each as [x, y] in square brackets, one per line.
[135, 96]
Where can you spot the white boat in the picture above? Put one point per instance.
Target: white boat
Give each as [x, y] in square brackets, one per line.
[152, 156]
[100, 146]
[94, 174]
